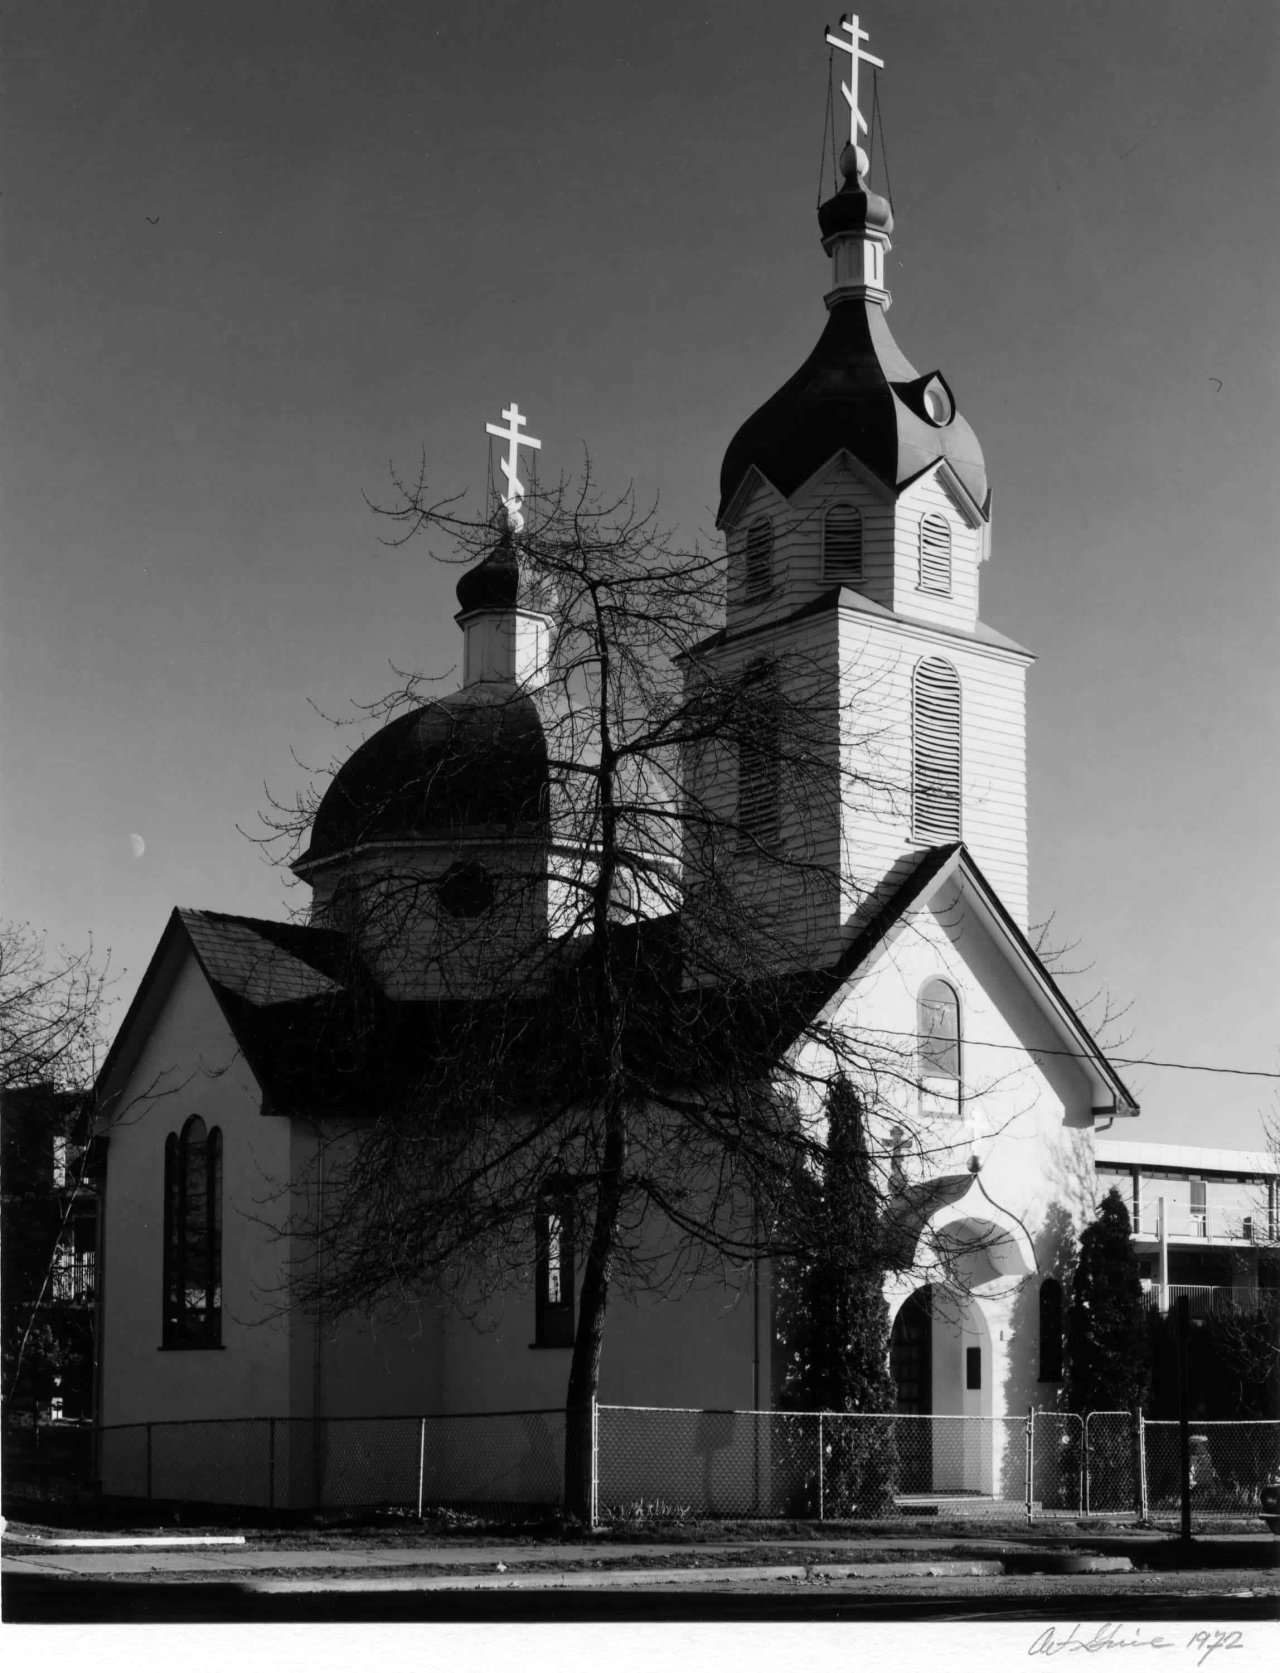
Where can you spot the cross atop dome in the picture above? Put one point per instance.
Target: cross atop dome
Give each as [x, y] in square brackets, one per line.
[513, 499]
[853, 46]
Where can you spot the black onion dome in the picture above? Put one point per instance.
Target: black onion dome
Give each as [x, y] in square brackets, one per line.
[474, 762]
[857, 390]
[494, 583]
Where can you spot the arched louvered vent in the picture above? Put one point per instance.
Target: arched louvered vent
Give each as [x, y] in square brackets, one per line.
[935, 554]
[842, 544]
[759, 557]
[935, 751]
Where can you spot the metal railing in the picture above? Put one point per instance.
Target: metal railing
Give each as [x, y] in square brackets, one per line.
[1204, 1299]
[678, 1462]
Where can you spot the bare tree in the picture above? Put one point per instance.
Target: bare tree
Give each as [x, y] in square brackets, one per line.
[50, 1011]
[623, 1023]
[51, 1034]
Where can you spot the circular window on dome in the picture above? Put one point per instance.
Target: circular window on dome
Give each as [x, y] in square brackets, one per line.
[466, 890]
[937, 403]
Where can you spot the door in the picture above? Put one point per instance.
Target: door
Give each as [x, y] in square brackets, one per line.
[911, 1366]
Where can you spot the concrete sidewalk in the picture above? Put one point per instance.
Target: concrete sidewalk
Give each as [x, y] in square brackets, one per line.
[592, 1563]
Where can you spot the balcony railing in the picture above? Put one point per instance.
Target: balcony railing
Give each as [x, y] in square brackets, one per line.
[1222, 1225]
[1204, 1299]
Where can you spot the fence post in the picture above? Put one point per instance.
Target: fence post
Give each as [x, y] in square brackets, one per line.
[1086, 1473]
[1139, 1471]
[148, 1460]
[1030, 1460]
[271, 1463]
[822, 1499]
[422, 1460]
[1184, 1410]
[595, 1463]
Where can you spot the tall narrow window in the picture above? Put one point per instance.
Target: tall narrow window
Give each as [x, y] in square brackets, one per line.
[759, 762]
[759, 558]
[193, 1237]
[935, 554]
[935, 751]
[1051, 1331]
[842, 544]
[938, 1027]
[553, 1297]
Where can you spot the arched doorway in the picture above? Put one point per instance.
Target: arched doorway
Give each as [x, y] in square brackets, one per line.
[911, 1367]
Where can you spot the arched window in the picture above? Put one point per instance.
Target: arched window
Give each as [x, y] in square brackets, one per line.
[935, 554]
[938, 1028]
[193, 1237]
[759, 558]
[553, 1287]
[842, 544]
[1050, 1331]
[935, 751]
[759, 761]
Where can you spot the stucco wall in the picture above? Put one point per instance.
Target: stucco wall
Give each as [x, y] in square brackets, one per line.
[191, 1066]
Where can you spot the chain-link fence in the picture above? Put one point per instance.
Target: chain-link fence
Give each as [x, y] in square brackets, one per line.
[825, 1465]
[690, 1461]
[502, 1463]
[1112, 1464]
[1230, 1463]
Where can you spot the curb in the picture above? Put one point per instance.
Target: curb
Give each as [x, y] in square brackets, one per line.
[594, 1580]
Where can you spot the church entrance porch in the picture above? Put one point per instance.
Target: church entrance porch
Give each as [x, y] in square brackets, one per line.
[940, 1360]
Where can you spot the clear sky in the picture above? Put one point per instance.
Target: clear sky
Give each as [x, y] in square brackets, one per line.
[254, 252]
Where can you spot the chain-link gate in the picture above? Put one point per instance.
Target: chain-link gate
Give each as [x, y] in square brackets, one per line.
[1112, 1464]
[1057, 1463]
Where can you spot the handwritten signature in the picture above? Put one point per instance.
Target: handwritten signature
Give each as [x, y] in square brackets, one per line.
[1110, 1636]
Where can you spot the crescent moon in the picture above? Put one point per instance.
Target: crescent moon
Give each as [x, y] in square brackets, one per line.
[137, 844]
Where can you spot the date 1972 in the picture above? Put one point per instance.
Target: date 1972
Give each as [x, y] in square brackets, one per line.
[1112, 1636]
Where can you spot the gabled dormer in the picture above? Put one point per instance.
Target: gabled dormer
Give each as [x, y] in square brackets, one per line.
[941, 539]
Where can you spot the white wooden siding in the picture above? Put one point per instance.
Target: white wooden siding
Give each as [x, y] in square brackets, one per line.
[878, 659]
[959, 609]
[797, 544]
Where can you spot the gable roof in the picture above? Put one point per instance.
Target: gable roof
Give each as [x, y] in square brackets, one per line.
[257, 970]
[318, 1037]
[954, 863]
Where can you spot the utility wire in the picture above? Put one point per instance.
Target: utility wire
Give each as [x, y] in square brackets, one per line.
[1128, 1062]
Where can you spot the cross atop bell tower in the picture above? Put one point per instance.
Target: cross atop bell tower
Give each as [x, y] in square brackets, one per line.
[857, 57]
[513, 499]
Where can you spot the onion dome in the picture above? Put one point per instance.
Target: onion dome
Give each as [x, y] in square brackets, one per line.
[493, 583]
[473, 764]
[857, 390]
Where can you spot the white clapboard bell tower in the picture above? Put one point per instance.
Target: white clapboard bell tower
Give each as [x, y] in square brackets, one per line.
[857, 516]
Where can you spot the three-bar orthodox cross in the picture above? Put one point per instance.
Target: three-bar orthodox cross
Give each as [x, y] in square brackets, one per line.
[853, 46]
[513, 499]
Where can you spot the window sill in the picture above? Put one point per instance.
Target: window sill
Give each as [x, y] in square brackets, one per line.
[191, 1347]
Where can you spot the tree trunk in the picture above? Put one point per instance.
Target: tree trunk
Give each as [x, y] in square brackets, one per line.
[584, 1372]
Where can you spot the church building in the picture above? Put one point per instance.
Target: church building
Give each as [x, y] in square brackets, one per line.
[856, 514]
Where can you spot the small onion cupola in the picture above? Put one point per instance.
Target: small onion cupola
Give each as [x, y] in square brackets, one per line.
[857, 390]
[506, 626]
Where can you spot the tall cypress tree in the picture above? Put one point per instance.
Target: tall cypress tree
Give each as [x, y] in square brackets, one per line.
[848, 1318]
[1107, 1322]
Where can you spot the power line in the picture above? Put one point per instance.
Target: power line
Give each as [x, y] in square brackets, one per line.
[1127, 1062]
